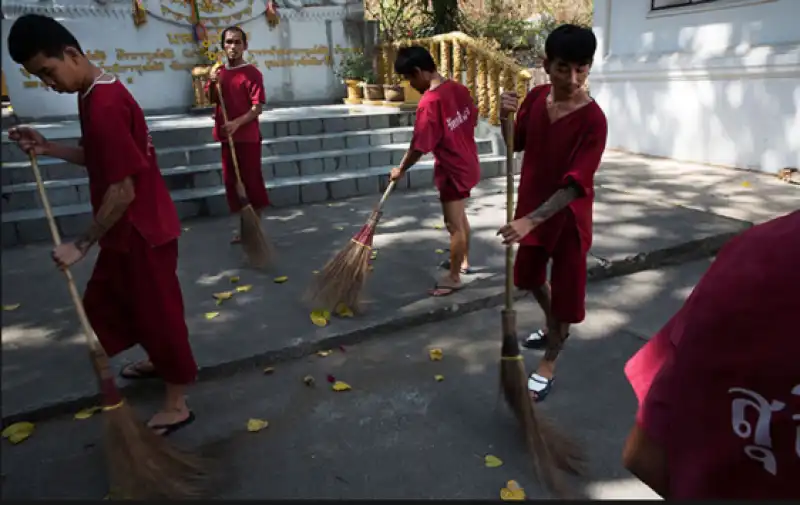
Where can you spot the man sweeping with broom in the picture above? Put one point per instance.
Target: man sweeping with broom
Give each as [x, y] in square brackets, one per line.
[243, 95]
[563, 133]
[133, 296]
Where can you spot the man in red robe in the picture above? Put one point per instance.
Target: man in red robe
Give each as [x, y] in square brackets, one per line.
[133, 296]
[243, 93]
[563, 133]
[445, 125]
[719, 384]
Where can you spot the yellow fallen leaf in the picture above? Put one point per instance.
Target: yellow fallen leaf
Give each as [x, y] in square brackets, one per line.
[341, 386]
[269, 370]
[318, 318]
[244, 289]
[87, 413]
[224, 295]
[745, 184]
[315, 272]
[211, 315]
[308, 381]
[373, 255]
[17, 432]
[435, 354]
[280, 280]
[439, 378]
[343, 310]
[340, 228]
[234, 279]
[512, 492]
[439, 251]
[438, 226]
[322, 354]
[254, 425]
[218, 303]
[492, 461]
[13, 306]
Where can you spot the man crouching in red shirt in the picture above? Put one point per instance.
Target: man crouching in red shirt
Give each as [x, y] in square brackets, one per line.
[243, 92]
[563, 133]
[445, 124]
[719, 385]
[133, 296]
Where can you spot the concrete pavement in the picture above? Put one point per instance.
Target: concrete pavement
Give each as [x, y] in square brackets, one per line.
[45, 370]
[398, 434]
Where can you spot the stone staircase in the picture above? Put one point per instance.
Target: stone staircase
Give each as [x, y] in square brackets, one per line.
[309, 155]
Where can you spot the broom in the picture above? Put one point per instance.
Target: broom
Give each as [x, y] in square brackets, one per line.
[142, 465]
[343, 277]
[550, 449]
[254, 242]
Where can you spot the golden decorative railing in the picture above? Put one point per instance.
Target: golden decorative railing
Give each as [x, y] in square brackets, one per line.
[460, 57]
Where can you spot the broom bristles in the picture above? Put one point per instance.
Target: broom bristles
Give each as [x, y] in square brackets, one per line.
[254, 241]
[143, 465]
[343, 278]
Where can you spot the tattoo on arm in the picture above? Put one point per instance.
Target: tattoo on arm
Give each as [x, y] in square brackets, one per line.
[115, 202]
[556, 203]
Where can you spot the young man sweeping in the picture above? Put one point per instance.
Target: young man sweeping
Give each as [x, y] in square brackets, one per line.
[445, 125]
[243, 93]
[719, 385]
[563, 133]
[133, 296]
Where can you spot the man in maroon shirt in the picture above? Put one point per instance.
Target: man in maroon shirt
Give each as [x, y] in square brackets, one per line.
[133, 296]
[719, 385]
[445, 124]
[563, 133]
[243, 92]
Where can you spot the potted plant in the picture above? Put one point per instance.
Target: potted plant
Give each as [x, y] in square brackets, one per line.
[372, 92]
[352, 70]
[394, 93]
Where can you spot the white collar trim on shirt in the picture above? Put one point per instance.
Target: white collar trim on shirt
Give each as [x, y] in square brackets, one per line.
[98, 80]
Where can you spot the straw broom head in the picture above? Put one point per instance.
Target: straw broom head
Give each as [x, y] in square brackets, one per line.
[254, 242]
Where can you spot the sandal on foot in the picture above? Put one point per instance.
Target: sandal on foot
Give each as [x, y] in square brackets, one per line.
[536, 340]
[445, 265]
[444, 289]
[540, 386]
[168, 429]
[138, 371]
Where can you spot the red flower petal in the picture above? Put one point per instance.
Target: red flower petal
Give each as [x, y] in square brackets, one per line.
[331, 379]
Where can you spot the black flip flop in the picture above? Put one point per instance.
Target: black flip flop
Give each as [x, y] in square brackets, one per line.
[132, 373]
[169, 429]
[445, 265]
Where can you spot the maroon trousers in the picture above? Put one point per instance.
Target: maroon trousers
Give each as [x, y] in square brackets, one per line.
[134, 298]
[248, 154]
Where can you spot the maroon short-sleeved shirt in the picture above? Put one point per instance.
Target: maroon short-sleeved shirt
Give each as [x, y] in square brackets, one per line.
[568, 149]
[242, 87]
[719, 385]
[117, 144]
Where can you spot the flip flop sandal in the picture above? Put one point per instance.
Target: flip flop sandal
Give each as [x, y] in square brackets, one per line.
[445, 265]
[135, 371]
[540, 386]
[536, 340]
[450, 290]
[169, 429]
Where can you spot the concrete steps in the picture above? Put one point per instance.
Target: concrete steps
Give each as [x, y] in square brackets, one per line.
[303, 161]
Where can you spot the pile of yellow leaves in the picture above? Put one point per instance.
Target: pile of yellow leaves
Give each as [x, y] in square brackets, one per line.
[223, 296]
[321, 317]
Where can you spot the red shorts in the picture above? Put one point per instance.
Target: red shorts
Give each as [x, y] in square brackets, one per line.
[450, 193]
[567, 277]
[248, 154]
[134, 298]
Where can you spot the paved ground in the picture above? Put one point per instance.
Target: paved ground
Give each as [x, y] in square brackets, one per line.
[44, 360]
[398, 433]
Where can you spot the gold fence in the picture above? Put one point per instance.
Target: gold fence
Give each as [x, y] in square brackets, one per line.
[484, 71]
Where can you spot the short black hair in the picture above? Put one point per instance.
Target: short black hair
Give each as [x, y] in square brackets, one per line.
[224, 33]
[411, 57]
[571, 43]
[32, 34]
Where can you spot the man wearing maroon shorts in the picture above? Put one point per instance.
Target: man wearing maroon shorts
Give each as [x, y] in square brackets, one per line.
[445, 125]
[243, 92]
[563, 133]
[719, 385]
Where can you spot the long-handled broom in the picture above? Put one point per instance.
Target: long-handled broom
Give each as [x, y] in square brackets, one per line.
[254, 241]
[551, 450]
[142, 464]
[342, 279]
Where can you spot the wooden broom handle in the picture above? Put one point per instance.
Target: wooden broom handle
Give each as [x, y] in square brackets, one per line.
[508, 125]
[386, 193]
[230, 138]
[94, 345]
